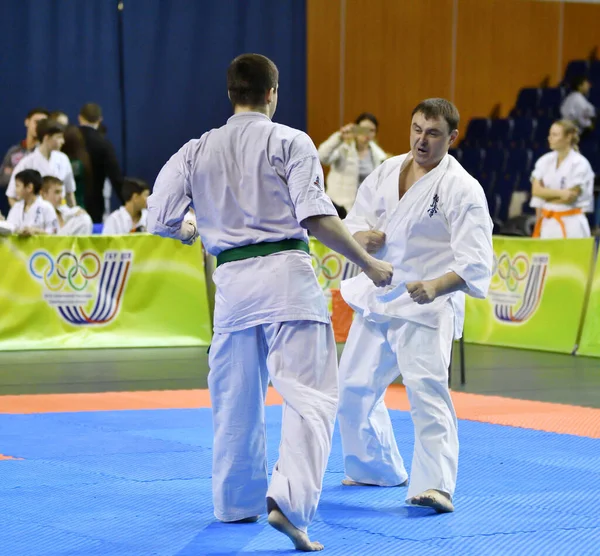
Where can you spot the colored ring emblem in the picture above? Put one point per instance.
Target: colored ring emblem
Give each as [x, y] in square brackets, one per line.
[64, 271]
[512, 272]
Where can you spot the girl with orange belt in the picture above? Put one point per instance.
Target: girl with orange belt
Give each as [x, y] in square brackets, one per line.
[562, 186]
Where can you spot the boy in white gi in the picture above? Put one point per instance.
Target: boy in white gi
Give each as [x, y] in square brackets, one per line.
[72, 221]
[255, 186]
[31, 215]
[562, 186]
[132, 216]
[48, 160]
[427, 216]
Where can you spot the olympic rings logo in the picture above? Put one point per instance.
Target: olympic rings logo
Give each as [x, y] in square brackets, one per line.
[330, 267]
[68, 268]
[511, 272]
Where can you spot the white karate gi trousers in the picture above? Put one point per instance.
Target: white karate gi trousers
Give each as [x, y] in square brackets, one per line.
[374, 356]
[300, 359]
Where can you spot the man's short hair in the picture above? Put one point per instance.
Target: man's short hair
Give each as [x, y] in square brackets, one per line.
[434, 108]
[48, 127]
[35, 111]
[32, 177]
[577, 82]
[50, 181]
[91, 112]
[132, 186]
[249, 78]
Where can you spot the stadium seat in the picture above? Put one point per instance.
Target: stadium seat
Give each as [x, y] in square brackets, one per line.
[575, 68]
[456, 153]
[518, 161]
[540, 133]
[471, 159]
[591, 151]
[97, 228]
[477, 132]
[522, 132]
[549, 103]
[527, 103]
[499, 133]
[503, 191]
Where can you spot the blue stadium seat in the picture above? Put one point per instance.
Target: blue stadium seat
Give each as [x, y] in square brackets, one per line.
[594, 74]
[522, 132]
[591, 150]
[456, 153]
[503, 191]
[97, 228]
[494, 160]
[575, 68]
[477, 132]
[527, 103]
[550, 101]
[518, 161]
[540, 133]
[499, 133]
[594, 97]
[471, 159]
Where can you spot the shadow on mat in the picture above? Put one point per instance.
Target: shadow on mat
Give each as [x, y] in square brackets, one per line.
[220, 539]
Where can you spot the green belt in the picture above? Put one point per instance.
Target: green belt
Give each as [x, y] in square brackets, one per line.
[261, 250]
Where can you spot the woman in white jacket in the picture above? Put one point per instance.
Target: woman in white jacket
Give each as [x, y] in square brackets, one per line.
[352, 155]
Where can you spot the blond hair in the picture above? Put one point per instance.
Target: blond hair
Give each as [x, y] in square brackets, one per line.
[569, 128]
[49, 181]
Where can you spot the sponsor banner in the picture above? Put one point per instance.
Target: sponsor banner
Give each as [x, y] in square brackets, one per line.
[101, 292]
[537, 295]
[331, 268]
[590, 336]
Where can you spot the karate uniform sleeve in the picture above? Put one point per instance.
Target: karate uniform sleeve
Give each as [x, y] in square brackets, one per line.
[304, 177]
[538, 171]
[69, 181]
[471, 242]
[171, 197]
[362, 217]
[583, 176]
[50, 220]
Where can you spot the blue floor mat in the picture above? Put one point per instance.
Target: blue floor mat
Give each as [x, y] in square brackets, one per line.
[138, 483]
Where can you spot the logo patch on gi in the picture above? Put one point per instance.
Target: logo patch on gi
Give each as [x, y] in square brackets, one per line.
[317, 182]
[433, 207]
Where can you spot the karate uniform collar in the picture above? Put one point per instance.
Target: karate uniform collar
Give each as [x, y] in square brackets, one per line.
[246, 116]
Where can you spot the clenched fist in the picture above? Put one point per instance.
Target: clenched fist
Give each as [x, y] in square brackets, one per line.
[371, 241]
[422, 292]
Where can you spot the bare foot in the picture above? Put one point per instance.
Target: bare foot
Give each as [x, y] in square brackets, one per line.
[351, 483]
[300, 539]
[435, 499]
[252, 519]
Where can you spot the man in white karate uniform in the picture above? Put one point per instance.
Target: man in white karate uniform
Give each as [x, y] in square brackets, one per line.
[31, 215]
[48, 160]
[72, 221]
[426, 215]
[256, 186]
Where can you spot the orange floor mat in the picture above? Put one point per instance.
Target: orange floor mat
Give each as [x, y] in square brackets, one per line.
[549, 417]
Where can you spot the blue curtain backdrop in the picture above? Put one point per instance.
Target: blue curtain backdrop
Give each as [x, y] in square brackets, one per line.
[157, 68]
[58, 54]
